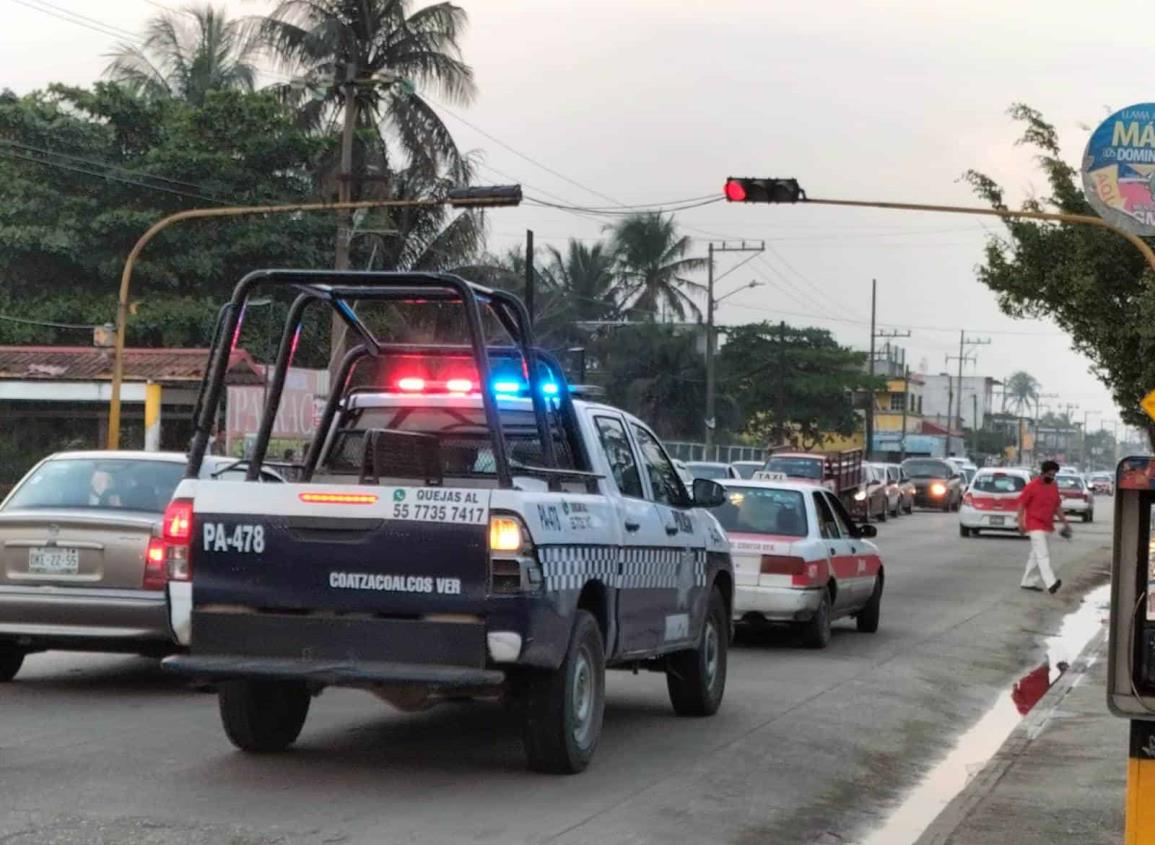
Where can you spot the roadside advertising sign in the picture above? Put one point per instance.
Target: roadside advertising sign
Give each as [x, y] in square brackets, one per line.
[1119, 169]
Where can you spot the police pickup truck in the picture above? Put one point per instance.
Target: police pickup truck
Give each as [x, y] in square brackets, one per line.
[463, 526]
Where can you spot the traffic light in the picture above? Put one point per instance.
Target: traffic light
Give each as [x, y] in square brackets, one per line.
[484, 197]
[763, 190]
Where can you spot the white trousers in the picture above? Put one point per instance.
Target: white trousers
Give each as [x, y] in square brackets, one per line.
[1039, 563]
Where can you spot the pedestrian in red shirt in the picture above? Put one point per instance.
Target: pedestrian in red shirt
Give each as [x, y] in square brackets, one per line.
[1039, 504]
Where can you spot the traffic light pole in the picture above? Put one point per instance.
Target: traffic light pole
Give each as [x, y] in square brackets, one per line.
[711, 387]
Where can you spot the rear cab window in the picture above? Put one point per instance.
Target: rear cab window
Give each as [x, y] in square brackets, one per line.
[1069, 482]
[797, 467]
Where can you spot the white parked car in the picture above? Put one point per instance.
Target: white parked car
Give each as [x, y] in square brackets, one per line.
[992, 501]
[712, 470]
[799, 558]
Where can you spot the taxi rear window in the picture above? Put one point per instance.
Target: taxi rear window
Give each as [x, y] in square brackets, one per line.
[999, 483]
[763, 510]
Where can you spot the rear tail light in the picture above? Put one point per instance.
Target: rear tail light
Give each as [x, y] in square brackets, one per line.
[802, 573]
[513, 564]
[155, 567]
[969, 500]
[176, 537]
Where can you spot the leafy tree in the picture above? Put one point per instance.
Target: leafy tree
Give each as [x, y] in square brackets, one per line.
[652, 262]
[656, 372]
[85, 172]
[186, 55]
[390, 49]
[1090, 281]
[792, 385]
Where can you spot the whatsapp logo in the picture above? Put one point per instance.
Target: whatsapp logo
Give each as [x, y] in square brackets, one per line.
[399, 495]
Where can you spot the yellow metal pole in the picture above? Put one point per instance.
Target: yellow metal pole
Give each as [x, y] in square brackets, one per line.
[152, 403]
[113, 441]
[1056, 217]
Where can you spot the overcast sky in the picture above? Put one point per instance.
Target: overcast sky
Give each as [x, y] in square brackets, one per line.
[637, 101]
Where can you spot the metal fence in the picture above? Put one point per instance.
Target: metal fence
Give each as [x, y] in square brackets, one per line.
[684, 451]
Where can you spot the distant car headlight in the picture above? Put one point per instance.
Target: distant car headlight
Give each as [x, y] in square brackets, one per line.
[937, 489]
[860, 496]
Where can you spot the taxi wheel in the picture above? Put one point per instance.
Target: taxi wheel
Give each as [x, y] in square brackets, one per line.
[882, 513]
[816, 632]
[1089, 516]
[963, 531]
[564, 708]
[11, 659]
[867, 619]
[263, 716]
[696, 679]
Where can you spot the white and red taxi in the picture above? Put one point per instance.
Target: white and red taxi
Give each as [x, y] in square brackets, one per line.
[992, 501]
[799, 558]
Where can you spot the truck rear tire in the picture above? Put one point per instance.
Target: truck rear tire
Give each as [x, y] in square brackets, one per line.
[564, 708]
[263, 716]
[11, 659]
[696, 679]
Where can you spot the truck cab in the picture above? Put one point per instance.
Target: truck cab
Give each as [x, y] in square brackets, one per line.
[464, 525]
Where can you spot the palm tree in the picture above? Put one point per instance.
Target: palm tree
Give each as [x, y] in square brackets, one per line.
[390, 51]
[1021, 389]
[651, 257]
[584, 281]
[185, 55]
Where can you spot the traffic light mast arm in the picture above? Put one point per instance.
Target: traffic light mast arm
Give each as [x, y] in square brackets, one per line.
[476, 197]
[1057, 217]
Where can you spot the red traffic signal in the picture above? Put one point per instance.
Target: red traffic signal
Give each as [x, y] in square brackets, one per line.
[763, 190]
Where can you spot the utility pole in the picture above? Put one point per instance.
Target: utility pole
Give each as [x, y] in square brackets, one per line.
[963, 343]
[711, 248]
[905, 405]
[870, 370]
[974, 424]
[1084, 449]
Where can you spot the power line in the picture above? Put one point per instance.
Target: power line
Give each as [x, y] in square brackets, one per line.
[627, 211]
[103, 29]
[47, 324]
[109, 176]
[522, 155]
[97, 163]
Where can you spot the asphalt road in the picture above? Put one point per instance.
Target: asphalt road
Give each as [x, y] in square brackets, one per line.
[809, 747]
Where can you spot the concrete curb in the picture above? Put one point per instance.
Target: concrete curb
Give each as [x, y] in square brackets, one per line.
[1026, 732]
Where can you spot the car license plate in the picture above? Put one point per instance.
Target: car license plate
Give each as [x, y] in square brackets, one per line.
[46, 561]
[997, 520]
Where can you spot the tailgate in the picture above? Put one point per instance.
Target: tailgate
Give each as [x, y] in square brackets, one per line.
[75, 548]
[397, 551]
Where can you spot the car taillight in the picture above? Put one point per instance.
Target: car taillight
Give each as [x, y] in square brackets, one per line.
[969, 500]
[177, 537]
[802, 573]
[155, 568]
[513, 564]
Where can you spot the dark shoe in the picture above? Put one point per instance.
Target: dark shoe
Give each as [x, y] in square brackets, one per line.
[1054, 588]
[1025, 587]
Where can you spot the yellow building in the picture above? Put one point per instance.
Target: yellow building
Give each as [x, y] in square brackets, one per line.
[888, 404]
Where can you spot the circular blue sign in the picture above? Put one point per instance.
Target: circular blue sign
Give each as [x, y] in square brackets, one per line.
[1119, 169]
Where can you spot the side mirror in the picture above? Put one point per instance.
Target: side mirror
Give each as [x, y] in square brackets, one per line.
[865, 531]
[708, 493]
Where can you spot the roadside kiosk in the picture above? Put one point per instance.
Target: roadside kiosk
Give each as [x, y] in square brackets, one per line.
[1131, 670]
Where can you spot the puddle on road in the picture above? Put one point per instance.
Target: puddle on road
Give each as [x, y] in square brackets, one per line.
[974, 748]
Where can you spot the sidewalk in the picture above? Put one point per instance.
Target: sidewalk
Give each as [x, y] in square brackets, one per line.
[1059, 778]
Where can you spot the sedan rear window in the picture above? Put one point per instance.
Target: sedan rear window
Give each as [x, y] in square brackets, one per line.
[998, 483]
[1069, 482]
[116, 484]
[797, 467]
[763, 510]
